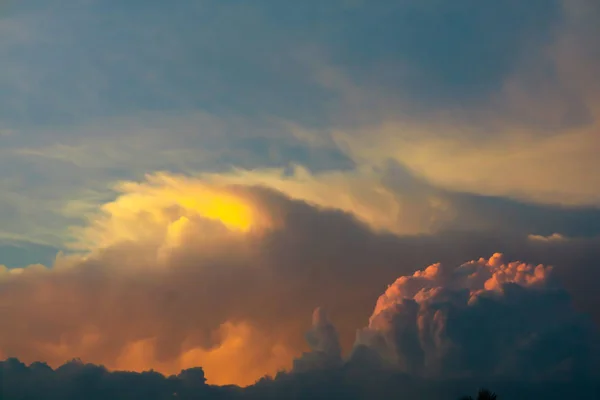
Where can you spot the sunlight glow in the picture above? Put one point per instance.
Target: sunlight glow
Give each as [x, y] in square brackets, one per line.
[160, 210]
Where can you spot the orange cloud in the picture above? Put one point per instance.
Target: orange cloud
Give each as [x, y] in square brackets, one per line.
[175, 272]
[130, 302]
[483, 318]
[243, 355]
[172, 277]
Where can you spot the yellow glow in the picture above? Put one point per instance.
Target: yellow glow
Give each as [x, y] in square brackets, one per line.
[361, 192]
[176, 230]
[159, 210]
[231, 211]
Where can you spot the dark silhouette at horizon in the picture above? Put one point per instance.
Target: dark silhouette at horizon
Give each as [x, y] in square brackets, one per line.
[76, 380]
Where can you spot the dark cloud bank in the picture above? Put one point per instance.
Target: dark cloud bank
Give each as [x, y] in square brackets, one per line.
[356, 379]
[443, 331]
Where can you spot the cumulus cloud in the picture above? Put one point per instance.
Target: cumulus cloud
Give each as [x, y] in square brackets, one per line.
[178, 272]
[483, 318]
[156, 288]
[474, 314]
[325, 351]
[485, 322]
[159, 210]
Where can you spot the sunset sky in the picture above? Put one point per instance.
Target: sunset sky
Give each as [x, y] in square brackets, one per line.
[182, 183]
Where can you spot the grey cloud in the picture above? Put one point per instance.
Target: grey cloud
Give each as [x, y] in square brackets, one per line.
[273, 282]
[325, 351]
[467, 212]
[320, 258]
[444, 322]
[76, 380]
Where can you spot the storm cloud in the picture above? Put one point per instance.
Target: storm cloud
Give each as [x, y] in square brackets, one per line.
[197, 273]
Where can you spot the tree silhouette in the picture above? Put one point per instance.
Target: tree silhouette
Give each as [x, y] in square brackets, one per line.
[483, 394]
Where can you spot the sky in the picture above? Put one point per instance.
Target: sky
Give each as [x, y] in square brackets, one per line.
[182, 184]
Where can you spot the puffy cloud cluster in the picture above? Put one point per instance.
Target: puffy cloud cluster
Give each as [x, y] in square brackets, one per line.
[483, 318]
[180, 272]
[324, 345]
[159, 210]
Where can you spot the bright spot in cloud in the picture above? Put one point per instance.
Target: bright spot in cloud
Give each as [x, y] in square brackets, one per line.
[160, 209]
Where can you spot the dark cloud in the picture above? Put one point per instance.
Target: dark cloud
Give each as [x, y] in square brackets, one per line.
[468, 212]
[76, 380]
[484, 318]
[517, 217]
[353, 383]
[325, 351]
[262, 284]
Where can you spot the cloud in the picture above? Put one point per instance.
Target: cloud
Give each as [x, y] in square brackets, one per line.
[325, 351]
[440, 332]
[158, 211]
[557, 172]
[459, 108]
[531, 137]
[52, 178]
[181, 271]
[402, 205]
[462, 141]
[76, 379]
[553, 237]
[393, 199]
[484, 318]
